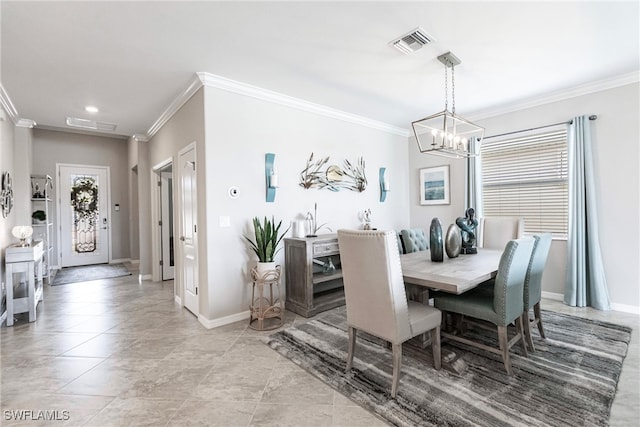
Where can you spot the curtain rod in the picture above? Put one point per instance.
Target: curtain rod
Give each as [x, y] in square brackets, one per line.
[591, 117]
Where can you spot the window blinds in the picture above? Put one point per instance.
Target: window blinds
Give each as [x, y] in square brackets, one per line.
[526, 177]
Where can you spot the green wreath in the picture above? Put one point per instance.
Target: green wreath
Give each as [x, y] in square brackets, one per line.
[84, 197]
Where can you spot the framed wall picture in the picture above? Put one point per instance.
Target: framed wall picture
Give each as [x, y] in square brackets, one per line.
[434, 185]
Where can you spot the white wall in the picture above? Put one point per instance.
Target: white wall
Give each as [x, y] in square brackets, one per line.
[134, 216]
[15, 148]
[232, 134]
[52, 147]
[616, 155]
[184, 127]
[6, 224]
[240, 130]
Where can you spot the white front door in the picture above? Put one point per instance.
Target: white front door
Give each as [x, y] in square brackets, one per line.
[166, 213]
[188, 227]
[83, 201]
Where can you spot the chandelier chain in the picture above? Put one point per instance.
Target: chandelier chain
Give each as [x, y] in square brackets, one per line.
[446, 88]
[453, 89]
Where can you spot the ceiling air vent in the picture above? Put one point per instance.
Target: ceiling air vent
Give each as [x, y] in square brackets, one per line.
[90, 124]
[412, 41]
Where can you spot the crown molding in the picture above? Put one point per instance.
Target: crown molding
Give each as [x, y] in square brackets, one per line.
[11, 111]
[25, 123]
[560, 95]
[173, 108]
[7, 105]
[223, 83]
[140, 138]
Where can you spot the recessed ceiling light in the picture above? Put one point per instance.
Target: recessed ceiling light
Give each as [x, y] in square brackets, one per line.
[91, 109]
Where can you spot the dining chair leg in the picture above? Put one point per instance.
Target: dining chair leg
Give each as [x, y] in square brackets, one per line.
[520, 331]
[435, 348]
[397, 363]
[352, 347]
[526, 325]
[504, 348]
[536, 313]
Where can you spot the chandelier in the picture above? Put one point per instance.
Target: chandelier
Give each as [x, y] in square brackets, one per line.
[445, 133]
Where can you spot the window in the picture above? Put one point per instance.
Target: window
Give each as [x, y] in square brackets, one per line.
[527, 177]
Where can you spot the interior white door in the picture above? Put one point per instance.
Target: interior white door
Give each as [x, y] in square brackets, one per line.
[166, 212]
[84, 215]
[188, 228]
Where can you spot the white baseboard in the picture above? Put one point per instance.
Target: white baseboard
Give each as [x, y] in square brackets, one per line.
[178, 300]
[142, 277]
[214, 323]
[553, 296]
[624, 308]
[119, 261]
[135, 261]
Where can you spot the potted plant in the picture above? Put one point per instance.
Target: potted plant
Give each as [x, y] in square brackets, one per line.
[39, 217]
[265, 243]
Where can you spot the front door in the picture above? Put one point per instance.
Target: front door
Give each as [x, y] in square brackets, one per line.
[84, 214]
[188, 227]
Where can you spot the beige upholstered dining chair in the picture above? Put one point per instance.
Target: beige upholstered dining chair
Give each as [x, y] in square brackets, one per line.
[414, 240]
[495, 232]
[376, 299]
[533, 285]
[500, 307]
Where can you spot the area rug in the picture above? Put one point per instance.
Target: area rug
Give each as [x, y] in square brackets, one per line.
[86, 273]
[570, 380]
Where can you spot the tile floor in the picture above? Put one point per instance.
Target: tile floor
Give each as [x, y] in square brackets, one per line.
[115, 352]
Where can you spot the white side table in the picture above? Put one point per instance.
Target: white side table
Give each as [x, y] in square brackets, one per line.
[27, 260]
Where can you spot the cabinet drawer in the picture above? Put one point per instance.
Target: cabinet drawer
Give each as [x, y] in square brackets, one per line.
[325, 248]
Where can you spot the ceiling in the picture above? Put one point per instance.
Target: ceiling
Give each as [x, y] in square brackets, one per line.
[132, 59]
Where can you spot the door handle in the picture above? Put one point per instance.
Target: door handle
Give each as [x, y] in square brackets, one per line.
[182, 238]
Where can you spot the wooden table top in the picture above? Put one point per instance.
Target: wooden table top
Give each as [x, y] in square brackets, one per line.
[454, 275]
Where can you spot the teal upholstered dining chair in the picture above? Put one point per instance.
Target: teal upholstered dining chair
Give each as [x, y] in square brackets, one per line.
[414, 240]
[533, 285]
[501, 307]
[376, 299]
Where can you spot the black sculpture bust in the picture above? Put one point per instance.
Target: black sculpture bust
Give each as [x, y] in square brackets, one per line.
[468, 225]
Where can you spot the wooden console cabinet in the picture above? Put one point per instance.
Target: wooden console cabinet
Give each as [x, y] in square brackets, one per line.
[313, 274]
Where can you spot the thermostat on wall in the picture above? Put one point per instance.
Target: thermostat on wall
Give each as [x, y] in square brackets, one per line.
[234, 192]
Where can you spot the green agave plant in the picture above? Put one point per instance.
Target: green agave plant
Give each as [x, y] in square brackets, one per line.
[266, 238]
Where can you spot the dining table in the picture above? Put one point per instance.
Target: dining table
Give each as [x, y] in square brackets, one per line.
[454, 275]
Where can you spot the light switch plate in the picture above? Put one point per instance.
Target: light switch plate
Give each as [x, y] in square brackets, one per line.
[224, 221]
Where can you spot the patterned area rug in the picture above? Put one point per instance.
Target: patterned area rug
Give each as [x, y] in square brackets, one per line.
[570, 380]
[86, 273]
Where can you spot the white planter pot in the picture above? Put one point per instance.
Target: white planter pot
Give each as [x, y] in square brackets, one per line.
[263, 267]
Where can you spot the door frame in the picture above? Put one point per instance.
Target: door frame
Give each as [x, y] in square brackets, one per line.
[179, 281]
[156, 236]
[167, 231]
[59, 208]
